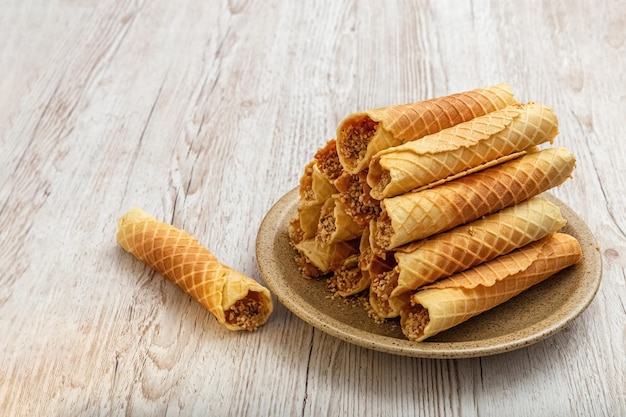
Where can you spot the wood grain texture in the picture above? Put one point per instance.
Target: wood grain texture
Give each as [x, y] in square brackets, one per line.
[204, 113]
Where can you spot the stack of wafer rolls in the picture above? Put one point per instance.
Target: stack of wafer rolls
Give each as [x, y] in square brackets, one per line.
[434, 207]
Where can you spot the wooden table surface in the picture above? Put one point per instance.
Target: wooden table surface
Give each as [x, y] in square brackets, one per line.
[204, 113]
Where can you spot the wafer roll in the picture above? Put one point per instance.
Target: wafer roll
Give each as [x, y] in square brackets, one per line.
[296, 235]
[362, 135]
[315, 258]
[382, 303]
[335, 225]
[365, 247]
[453, 300]
[414, 216]
[466, 146]
[354, 193]
[327, 160]
[315, 187]
[423, 262]
[308, 218]
[237, 301]
[348, 279]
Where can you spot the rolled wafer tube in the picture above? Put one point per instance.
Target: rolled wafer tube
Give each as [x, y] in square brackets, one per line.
[354, 193]
[414, 216]
[453, 300]
[349, 279]
[335, 225]
[327, 160]
[382, 303]
[237, 301]
[315, 258]
[295, 232]
[315, 187]
[362, 135]
[308, 218]
[423, 262]
[352, 276]
[466, 146]
[365, 248]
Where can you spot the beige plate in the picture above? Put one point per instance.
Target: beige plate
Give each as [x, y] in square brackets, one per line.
[534, 315]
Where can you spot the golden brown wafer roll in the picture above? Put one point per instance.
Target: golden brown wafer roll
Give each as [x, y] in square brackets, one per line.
[354, 193]
[463, 147]
[308, 218]
[327, 160]
[335, 225]
[362, 135]
[382, 303]
[413, 216]
[237, 301]
[365, 247]
[348, 279]
[315, 188]
[423, 262]
[352, 276]
[453, 300]
[315, 258]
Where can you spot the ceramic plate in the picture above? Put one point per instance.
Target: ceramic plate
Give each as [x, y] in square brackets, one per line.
[534, 315]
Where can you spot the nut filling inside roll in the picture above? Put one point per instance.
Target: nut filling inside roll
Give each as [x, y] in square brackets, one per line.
[355, 194]
[415, 320]
[248, 313]
[328, 160]
[326, 226]
[358, 135]
[349, 278]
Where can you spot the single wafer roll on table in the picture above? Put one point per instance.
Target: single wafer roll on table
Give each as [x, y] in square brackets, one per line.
[477, 143]
[414, 216]
[361, 135]
[237, 301]
[453, 300]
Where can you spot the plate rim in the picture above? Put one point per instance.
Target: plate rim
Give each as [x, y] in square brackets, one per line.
[436, 350]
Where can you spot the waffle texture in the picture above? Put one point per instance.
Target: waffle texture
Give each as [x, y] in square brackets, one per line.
[454, 300]
[468, 145]
[413, 216]
[237, 301]
[362, 135]
[479, 241]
